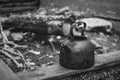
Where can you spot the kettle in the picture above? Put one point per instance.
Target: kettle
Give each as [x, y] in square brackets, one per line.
[77, 52]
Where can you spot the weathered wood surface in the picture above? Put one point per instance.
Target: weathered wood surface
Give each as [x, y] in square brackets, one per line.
[18, 5]
[56, 71]
[2, 10]
[107, 17]
[6, 73]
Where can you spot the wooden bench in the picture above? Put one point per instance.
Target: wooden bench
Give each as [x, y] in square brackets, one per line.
[55, 71]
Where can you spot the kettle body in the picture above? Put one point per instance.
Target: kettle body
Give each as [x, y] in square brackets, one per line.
[77, 53]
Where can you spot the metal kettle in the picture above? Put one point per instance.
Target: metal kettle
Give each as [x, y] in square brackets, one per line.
[77, 52]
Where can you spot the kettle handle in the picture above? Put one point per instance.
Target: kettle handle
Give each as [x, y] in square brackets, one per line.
[72, 27]
[71, 31]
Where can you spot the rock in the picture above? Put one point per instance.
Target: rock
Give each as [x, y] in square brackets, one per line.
[35, 52]
[51, 56]
[63, 10]
[56, 17]
[76, 13]
[66, 29]
[58, 37]
[97, 24]
[17, 36]
[55, 23]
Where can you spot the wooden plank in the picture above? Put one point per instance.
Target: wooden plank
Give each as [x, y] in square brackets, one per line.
[56, 71]
[6, 73]
[17, 4]
[107, 17]
[17, 9]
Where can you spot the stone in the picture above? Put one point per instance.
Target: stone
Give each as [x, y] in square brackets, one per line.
[97, 24]
[17, 36]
